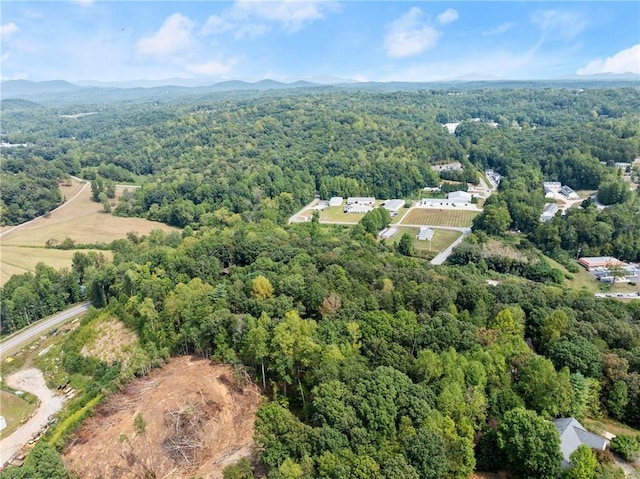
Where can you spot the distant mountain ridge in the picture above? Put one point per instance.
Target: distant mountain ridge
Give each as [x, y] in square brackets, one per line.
[13, 88]
[60, 92]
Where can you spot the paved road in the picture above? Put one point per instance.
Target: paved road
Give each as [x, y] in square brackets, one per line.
[17, 341]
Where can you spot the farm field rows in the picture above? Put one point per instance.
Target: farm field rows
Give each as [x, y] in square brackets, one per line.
[440, 217]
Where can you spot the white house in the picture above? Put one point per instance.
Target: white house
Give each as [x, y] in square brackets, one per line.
[550, 210]
[572, 435]
[425, 233]
[336, 201]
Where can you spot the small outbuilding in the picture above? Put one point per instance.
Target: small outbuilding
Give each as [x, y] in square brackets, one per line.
[425, 234]
[336, 201]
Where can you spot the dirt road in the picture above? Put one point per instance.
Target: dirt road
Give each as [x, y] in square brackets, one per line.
[32, 381]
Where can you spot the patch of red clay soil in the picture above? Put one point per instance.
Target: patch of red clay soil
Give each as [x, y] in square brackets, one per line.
[189, 418]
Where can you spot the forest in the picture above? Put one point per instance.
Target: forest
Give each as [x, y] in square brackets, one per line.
[376, 363]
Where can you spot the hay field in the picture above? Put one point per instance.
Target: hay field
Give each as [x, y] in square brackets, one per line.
[440, 217]
[21, 259]
[80, 219]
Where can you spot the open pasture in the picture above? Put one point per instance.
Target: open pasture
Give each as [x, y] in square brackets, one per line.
[440, 217]
[80, 219]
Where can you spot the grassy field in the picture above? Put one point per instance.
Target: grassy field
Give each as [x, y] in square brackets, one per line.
[440, 217]
[609, 425]
[22, 259]
[336, 213]
[13, 408]
[440, 241]
[80, 219]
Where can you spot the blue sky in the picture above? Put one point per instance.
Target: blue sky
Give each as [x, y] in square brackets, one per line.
[377, 41]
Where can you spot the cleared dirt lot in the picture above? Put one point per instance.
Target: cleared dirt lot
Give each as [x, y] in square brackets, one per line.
[197, 418]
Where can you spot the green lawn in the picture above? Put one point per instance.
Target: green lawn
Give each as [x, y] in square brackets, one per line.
[337, 214]
[14, 408]
[440, 241]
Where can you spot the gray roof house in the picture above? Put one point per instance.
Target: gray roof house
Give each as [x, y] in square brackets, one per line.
[573, 435]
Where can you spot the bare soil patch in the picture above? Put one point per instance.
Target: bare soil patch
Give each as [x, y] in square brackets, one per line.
[196, 418]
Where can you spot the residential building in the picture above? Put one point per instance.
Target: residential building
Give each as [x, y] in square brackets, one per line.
[550, 210]
[572, 435]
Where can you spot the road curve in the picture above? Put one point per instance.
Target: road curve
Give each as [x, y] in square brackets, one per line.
[86, 183]
[17, 341]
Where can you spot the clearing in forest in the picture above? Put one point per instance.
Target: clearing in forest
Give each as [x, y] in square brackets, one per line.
[189, 418]
[80, 219]
[440, 217]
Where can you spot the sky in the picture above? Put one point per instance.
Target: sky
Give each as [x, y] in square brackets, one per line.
[291, 40]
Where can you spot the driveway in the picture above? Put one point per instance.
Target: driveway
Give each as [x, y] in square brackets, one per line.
[32, 381]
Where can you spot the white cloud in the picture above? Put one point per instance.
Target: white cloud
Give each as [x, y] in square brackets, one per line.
[409, 36]
[174, 35]
[499, 30]
[561, 24]
[8, 29]
[253, 18]
[213, 68]
[624, 61]
[448, 16]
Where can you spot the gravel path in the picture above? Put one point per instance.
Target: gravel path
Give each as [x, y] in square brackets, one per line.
[32, 381]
